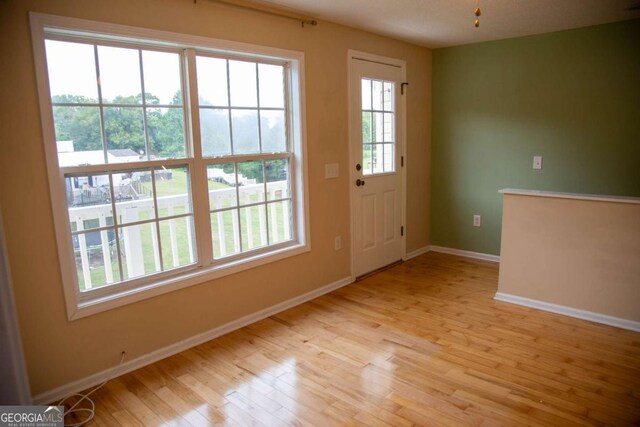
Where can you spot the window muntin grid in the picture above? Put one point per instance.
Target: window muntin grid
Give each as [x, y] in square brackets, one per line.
[259, 208]
[243, 111]
[144, 209]
[111, 236]
[378, 126]
[122, 117]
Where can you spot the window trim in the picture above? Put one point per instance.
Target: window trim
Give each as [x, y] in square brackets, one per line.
[102, 299]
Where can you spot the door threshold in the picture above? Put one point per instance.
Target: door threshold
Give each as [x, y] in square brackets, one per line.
[378, 270]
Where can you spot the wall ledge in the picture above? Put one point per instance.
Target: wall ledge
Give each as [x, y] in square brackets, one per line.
[569, 311]
[162, 353]
[577, 196]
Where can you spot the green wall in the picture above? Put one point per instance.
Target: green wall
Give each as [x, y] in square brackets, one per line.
[572, 97]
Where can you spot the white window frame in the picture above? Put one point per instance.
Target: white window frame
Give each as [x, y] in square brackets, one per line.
[110, 296]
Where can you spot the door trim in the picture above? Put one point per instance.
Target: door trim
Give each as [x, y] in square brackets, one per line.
[14, 388]
[394, 62]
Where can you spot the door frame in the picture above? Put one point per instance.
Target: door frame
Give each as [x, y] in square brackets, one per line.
[384, 60]
[14, 389]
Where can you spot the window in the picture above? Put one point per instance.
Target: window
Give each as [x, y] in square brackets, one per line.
[378, 121]
[242, 113]
[172, 159]
[125, 222]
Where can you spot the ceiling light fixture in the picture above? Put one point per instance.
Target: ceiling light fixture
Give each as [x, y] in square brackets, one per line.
[477, 13]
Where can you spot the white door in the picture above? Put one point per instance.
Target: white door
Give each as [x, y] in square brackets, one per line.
[376, 164]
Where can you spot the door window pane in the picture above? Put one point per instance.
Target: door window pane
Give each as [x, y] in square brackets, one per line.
[387, 96]
[366, 159]
[366, 94]
[376, 95]
[389, 157]
[367, 127]
[388, 126]
[377, 158]
[378, 127]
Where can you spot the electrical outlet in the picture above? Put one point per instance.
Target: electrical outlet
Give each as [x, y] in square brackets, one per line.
[338, 243]
[476, 220]
[537, 162]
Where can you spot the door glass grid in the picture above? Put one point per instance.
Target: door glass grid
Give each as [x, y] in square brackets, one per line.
[378, 126]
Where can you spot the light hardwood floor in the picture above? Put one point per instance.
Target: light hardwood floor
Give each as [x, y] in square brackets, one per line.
[422, 344]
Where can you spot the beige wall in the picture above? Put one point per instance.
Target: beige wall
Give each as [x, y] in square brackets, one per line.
[59, 351]
[582, 254]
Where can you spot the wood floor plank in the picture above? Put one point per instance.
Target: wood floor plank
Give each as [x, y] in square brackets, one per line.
[145, 415]
[422, 343]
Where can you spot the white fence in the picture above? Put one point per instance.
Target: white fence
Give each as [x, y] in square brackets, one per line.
[132, 246]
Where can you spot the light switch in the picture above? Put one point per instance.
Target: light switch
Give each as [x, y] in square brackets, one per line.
[331, 170]
[537, 162]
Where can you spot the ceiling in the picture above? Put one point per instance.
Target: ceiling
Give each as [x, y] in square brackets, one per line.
[442, 23]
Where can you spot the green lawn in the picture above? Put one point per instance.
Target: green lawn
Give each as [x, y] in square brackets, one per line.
[177, 185]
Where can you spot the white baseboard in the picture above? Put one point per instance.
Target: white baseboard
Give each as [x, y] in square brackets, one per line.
[416, 253]
[162, 353]
[468, 254]
[569, 311]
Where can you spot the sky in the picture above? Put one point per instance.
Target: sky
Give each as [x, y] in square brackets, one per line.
[72, 70]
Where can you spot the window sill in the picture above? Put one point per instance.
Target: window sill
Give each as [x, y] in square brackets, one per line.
[190, 278]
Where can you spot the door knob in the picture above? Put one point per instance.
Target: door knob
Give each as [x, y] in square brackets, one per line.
[359, 182]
